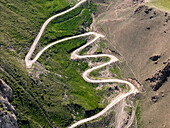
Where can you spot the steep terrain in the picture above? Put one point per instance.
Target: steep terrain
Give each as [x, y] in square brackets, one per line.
[53, 89]
[139, 32]
[49, 91]
[7, 111]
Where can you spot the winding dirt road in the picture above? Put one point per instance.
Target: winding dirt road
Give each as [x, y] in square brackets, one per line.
[75, 55]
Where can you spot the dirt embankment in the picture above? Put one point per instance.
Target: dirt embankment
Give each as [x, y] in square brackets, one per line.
[157, 80]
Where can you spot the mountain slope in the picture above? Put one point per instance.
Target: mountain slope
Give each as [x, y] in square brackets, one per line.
[53, 89]
[139, 32]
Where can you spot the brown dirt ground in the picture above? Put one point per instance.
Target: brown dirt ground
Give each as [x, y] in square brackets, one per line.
[137, 37]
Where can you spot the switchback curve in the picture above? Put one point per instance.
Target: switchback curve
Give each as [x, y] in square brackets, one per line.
[75, 55]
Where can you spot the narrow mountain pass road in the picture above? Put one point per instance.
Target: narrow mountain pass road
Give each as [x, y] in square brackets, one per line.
[75, 55]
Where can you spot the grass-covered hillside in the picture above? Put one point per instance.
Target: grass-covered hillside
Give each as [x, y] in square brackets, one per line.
[53, 89]
[160, 4]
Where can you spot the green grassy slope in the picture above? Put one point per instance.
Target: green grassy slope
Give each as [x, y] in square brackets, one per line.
[160, 4]
[21, 20]
[50, 98]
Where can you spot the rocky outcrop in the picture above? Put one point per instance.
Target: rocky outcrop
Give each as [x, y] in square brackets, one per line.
[160, 77]
[147, 9]
[158, 96]
[155, 58]
[7, 111]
